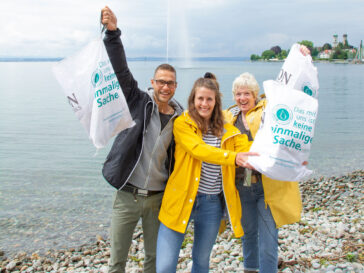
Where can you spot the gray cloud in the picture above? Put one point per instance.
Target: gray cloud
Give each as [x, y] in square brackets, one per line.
[199, 28]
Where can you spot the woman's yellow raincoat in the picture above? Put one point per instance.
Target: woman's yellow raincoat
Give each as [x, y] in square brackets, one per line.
[182, 185]
[283, 197]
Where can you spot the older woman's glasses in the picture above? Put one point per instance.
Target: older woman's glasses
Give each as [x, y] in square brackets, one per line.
[161, 83]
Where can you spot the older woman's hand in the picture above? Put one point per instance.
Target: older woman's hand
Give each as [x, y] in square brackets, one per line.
[304, 50]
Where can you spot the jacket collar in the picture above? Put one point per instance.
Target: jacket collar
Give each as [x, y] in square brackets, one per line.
[172, 102]
[228, 131]
[188, 119]
[235, 110]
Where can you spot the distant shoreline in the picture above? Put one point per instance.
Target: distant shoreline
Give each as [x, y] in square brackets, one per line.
[315, 61]
[30, 59]
[160, 59]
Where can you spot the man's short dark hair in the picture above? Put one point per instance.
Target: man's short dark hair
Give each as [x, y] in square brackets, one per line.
[167, 67]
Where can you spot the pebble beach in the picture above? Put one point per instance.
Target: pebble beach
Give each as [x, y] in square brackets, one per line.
[329, 238]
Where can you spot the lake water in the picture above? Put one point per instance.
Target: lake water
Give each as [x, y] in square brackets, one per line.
[52, 194]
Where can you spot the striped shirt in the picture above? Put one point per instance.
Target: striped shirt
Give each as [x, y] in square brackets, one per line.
[211, 179]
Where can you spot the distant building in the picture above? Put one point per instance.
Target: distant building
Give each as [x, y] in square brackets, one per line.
[326, 54]
[345, 51]
[334, 41]
[345, 39]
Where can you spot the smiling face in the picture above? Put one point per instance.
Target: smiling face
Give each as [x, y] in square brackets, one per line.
[245, 99]
[164, 85]
[204, 102]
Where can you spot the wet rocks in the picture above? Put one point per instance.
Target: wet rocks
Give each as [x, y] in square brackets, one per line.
[329, 238]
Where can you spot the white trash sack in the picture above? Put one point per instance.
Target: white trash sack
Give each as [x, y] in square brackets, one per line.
[92, 89]
[299, 72]
[285, 137]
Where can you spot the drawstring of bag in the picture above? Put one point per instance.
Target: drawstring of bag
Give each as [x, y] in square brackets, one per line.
[102, 26]
[102, 30]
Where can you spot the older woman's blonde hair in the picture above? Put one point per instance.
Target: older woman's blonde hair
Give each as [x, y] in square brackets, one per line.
[246, 80]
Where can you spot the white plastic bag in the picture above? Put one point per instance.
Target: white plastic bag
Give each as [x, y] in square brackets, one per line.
[285, 137]
[299, 73]
[93, 91]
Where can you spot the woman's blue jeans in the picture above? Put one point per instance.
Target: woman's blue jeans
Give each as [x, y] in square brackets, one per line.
[260, 240]
[206, 214]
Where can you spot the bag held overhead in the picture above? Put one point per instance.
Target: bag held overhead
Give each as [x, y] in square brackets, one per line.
[299, 73]
[287, 128]
[94, 93]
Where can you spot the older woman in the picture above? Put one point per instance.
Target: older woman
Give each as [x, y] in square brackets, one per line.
[267, 204]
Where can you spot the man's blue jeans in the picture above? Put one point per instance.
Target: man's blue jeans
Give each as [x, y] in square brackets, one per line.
[260, 240]
[206, 213]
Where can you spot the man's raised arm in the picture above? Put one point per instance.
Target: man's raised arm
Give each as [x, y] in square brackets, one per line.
[115, 50]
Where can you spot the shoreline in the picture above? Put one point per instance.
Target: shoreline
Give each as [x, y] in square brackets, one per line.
[329, 238]
[336, 61]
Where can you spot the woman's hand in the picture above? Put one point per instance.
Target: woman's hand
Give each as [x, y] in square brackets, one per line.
[304, 50]
[108, 18]
[242, 159]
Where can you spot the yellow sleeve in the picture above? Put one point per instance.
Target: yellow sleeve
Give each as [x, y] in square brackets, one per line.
[228, 116]
[188, 139]
[242, 143]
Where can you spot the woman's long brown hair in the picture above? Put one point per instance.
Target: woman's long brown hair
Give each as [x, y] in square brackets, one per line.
[216, 122]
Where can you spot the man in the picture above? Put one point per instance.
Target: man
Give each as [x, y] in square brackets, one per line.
[140, 159]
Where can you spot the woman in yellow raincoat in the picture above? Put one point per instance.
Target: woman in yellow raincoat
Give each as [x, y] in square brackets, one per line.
[203, 180]
[267, 204]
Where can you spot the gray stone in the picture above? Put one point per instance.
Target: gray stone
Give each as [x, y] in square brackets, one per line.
[342, 265]
[104, 269]
[11, 265]
[357, 265]
[37, 263]
[79, 264]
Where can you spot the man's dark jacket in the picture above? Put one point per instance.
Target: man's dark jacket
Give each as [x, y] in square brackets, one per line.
[127, 146]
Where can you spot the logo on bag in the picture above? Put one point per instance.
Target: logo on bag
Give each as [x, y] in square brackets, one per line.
[74, 103]
[96, 78]
[282, 114]
[307, 88]
[284, 76]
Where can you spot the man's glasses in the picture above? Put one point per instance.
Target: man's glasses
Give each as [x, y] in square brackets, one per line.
[161, 83]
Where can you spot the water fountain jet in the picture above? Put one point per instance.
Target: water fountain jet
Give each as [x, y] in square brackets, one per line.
[178, 39]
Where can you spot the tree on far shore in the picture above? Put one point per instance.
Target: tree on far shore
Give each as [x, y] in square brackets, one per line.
[254, 57]
[340, 54]
[341, 51]
[307, 43]
[282, 55]
[268, 54]
[326, 46]
[276, 50]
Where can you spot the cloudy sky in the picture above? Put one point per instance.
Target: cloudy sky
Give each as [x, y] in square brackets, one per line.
[198, 28]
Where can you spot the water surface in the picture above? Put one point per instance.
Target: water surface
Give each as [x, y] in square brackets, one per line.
[52, 194]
